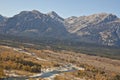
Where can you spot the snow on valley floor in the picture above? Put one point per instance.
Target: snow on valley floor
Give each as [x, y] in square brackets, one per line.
[48, 73]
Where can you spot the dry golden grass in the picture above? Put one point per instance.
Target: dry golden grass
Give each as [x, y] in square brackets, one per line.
[56, 58]
[78, 59]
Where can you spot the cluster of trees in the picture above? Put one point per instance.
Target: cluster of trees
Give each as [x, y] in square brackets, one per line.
[17, 62]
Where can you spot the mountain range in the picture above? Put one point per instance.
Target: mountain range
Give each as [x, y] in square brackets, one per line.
[102, 28]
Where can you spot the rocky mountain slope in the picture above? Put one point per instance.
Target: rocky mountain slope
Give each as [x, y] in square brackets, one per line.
[34, 23]
[102, 28]
[2, 18]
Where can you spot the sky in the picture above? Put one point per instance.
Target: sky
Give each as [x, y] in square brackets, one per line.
[64, 8]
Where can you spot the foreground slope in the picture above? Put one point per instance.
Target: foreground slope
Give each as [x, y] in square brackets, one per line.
[25, 62]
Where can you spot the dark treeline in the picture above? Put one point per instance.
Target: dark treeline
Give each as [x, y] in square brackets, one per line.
[60, 44]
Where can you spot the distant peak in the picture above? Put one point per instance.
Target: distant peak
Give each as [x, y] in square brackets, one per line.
[112, 15]
[108, 16]
[103, 15]
[35, 11]
[24, 12]
[1, 16]
[53, 13]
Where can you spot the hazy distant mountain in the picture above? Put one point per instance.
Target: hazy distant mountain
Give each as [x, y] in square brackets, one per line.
[34, 23]
[100, 28]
